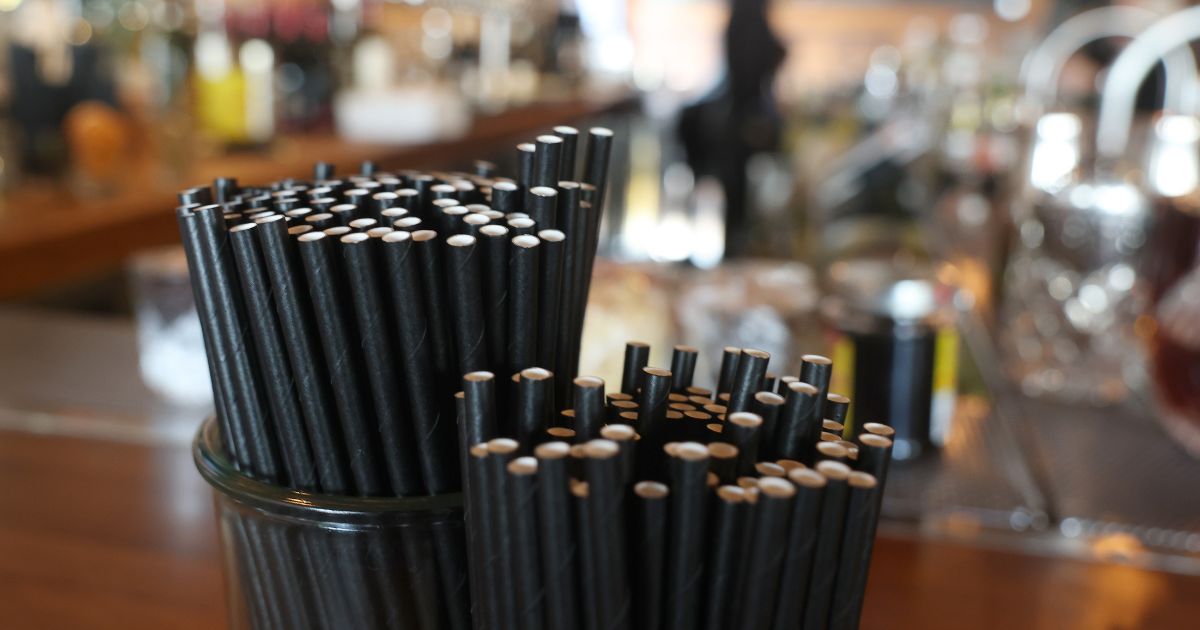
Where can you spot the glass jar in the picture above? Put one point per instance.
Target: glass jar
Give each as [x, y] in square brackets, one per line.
[296, 560]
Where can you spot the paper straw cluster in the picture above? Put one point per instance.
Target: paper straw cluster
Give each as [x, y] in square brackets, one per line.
[339, 314]
[666, 506]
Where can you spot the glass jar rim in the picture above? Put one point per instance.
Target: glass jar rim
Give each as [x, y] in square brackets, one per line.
[220, 473]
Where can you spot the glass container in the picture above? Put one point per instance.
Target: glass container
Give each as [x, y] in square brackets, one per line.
[297, 560]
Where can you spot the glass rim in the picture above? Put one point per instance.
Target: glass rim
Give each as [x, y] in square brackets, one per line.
[220, 473]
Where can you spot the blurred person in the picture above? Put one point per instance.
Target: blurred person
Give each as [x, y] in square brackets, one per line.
[739, 118]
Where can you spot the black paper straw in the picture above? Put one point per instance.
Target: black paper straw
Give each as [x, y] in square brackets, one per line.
[533, 406]
[550, 293]
[744, 430]
[801, 546]
[570, 148]
[685, 561]
[862, 512]
[296, 321]
[588, 548]
[506, 197]
[837, 407]
[760, 574]
[244, 386]
[522, 504]
[525, 165]
[647, 545]
[752, 366]
[626, 439]
[361, 260]
[434, 438]
[524, 261]
[230, 421]
[603, 469]
[431, 267]
[729, 365]
[480, 422]
[769, 407]
[296, 454]
[799, 426]
[829, 543]
[541, 203]
[558, 546]
[521, 226]
[723, 461]
[816, 370]
[463, 264]
[683, 367]
[730, 520]
[494, 243]
[501, 451]
[488, 581]
[597, 151]
[336, 327]
[589, 407]
[547, 161]
[637, 357]
[652, 410]
[832, 451]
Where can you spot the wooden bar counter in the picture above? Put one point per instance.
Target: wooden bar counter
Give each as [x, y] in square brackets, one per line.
[99, 533]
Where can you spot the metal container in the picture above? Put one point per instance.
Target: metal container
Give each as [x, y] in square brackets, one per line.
[892, 334]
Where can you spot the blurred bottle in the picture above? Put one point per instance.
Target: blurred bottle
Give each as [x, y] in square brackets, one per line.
[235, 72]
[304, 74]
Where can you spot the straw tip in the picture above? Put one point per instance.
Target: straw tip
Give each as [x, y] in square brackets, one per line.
[756, 353]
[832, 449]
[398, 236]
[460, 240]
[860, 479]
[731, 494]
[536, 374]
[601, 449]
[523, 466]
[525, 241]
[589, 381]
[357, 237]
[420, 236]
[480, 376]
[836, 471]
[838, 398]
[565, 129]
[873, 439]
[601, 131]
[544, 191]
[243, 227]
[803, 388]
[552, 236]
[722, 450]
[769, 398]
[879, 429]
[807, 478]
[309, 236]
[769, 469]
[659, 372]
[651, 490]
[502, 446]
[745, 419]
[816, 359]
[552, 450]
[493, 230]
[618, 432]
[691, 451]
[776, 487]
[505, 186]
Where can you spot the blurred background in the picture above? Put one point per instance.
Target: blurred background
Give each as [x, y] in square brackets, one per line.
[986, 209]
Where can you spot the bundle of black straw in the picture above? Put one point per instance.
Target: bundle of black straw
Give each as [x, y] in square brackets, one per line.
[667, 506]
[338, 317]
[339, 314]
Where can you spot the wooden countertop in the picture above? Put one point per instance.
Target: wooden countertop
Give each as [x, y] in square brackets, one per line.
[104, 534]
[47, 235]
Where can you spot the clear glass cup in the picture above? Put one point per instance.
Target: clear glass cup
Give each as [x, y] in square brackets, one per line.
[296, 560]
